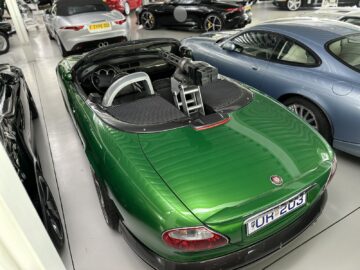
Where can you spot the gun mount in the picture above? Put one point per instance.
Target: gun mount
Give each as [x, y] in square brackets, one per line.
[187, 80]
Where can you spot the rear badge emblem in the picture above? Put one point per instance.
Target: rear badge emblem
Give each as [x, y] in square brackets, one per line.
[276, 180]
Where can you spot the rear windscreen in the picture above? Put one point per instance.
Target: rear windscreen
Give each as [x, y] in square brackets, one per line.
[71, 10]
[347, 50]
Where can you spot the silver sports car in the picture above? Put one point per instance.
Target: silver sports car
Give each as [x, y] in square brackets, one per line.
[82, 25]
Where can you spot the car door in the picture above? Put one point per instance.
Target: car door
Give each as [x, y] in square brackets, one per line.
[292, 68]
[165, 13]
[246, 56]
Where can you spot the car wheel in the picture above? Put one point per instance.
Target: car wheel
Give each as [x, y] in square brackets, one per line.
[311, 114]
[127, 9]
[110, 212]
[293, 5]
[148, 20]
[213, 23]
[4, 43]
[50, 214]
[49, 34]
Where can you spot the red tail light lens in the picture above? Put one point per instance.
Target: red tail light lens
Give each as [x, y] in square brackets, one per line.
[332, 172]
[74, 28]
[120, 21]
[212, 125]
[234, 9]
[193, 239]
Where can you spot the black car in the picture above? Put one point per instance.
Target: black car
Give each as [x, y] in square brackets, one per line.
[293, 5]
[5, 33]
[208, 15]
[17, 113]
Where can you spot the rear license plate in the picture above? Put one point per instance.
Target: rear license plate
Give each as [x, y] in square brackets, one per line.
[247, 7]
[263, 219]
[98, 27]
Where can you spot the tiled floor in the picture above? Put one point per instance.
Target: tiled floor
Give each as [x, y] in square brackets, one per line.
[331, 243]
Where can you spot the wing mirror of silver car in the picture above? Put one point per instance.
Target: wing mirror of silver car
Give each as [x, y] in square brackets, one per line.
[229, 46]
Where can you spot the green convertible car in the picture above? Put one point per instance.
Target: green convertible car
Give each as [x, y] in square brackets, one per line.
[198, 171]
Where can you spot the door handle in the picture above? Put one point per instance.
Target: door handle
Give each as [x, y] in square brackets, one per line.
[255, 68]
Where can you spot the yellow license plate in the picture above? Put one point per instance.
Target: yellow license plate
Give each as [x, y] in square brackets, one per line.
[247, 8]
[100, 26]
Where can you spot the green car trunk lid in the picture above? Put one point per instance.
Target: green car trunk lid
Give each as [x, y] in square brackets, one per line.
[223, 174]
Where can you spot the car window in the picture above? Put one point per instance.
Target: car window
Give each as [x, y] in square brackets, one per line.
[355, 21]
[291, 52]
[71, 10]
[258, 44]
[347, 50]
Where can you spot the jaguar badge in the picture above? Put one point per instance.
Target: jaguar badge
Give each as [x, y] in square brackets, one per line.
[276, 180]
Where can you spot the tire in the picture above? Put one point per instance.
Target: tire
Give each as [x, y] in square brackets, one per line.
[293, 5]
[148, 20]
[110, 212]
[4, 43]
[311, 114]
[50, 214]
[213, 22]
[49, 34]
[64, 52]
[127, 9]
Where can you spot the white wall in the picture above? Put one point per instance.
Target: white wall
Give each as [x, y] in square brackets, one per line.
[24, 242]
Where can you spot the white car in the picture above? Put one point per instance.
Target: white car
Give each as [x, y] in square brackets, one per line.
[82, 25]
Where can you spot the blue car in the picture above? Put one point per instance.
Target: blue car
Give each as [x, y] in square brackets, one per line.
[312, 66]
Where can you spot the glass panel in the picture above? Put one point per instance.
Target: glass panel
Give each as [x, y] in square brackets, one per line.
[257, 44]
[347, 50]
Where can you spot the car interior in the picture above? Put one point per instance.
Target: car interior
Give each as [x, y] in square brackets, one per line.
[137, 89]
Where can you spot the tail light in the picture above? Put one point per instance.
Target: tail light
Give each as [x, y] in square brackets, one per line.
[212, 125]
[234, 9]
[193, 239]
[119, 22]
[332, 171]
[74, 28]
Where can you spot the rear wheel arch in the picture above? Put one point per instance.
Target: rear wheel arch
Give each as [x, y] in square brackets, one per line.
[285, 97]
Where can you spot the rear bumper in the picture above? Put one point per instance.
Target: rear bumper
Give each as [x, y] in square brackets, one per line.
[70, 39]
[350, 148]
[239, 21]
[239, 258]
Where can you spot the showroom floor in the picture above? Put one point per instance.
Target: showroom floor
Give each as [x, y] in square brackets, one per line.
[331, 243]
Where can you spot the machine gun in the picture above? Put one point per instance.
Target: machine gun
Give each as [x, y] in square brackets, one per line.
[187, 80]
[197, 73]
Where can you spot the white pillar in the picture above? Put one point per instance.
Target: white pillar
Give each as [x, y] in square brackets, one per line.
[18, 21]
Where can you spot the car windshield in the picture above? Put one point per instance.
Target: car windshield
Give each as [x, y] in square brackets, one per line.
[78, 9]
[347, 50]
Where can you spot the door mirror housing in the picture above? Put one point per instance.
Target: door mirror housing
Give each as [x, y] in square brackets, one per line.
[229, 46]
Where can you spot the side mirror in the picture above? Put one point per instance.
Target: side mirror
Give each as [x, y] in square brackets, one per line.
[48, 11]
[229, 46]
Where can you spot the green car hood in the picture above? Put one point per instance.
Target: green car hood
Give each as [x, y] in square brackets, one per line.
[223, 172]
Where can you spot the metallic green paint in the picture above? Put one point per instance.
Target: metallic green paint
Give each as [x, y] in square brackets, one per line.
[217, 177]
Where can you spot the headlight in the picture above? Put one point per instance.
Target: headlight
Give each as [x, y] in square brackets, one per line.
[332, 171]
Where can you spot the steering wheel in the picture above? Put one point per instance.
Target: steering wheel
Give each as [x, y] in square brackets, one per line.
[103, 76]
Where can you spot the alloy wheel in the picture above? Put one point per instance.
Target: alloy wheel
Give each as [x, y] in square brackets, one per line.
[213, 23]
[51, 216]
[127, 8]
[293, 5]
[305, 113]
[148, 20]
[3, 43]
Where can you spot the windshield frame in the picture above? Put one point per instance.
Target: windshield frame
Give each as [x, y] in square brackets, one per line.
[327, 47]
